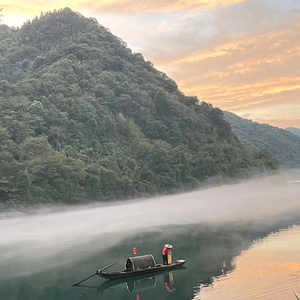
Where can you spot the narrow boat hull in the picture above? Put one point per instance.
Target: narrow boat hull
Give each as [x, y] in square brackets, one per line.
[157, 268]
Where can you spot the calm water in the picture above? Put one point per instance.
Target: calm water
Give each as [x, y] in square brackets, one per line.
[248, 258]
[224, 261]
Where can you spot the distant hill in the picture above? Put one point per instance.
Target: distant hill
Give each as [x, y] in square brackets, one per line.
[293, 130]
[284, 145]
[84, 118]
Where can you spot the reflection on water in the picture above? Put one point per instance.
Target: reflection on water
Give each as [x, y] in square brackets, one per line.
[140, 285]
[134, 285]
[269, 270]
[137, 284]
[169, 282]
[214, 254]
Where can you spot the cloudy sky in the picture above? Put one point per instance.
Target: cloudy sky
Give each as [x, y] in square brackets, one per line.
[241, 56]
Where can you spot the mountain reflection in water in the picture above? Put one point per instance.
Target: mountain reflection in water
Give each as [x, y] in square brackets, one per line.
[210, 252]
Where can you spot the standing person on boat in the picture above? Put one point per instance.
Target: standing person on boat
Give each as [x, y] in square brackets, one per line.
[165, 253]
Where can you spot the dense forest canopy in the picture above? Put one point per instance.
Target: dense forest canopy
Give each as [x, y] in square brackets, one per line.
[284, 145]
[83, 118]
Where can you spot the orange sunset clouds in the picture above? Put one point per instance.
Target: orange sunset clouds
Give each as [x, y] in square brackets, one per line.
[241, 56]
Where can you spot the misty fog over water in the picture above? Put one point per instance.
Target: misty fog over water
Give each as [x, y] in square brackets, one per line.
[91, 237]
[255, 199]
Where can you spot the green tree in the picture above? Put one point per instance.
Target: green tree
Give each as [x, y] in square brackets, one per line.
[83, 118]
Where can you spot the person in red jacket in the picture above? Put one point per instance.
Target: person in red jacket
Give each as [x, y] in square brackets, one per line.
[165, 253]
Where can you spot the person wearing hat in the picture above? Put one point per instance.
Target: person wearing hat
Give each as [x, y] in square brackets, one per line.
[165, 253]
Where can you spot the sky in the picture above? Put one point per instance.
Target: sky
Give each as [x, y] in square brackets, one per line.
[240, 56]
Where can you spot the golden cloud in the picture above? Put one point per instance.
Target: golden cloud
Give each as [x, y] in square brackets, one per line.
[33, 7]
[249, 72]
[137, 6]
[251, 44]
[230, 97]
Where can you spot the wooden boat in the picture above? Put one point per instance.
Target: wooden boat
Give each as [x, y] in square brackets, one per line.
[140, 265]
[134, 266]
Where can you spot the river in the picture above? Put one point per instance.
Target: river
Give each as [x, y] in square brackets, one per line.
[239, 242]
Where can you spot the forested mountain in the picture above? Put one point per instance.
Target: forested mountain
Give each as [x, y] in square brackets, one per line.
[283, 145]
[293, 130]
[83, 118]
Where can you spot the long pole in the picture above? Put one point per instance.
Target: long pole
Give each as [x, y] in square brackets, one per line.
[84, 279]
[97, 272]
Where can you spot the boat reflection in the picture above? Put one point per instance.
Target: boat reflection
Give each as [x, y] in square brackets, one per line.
[136, 285]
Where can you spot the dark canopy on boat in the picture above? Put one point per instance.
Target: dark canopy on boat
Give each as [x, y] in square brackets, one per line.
[140, 262]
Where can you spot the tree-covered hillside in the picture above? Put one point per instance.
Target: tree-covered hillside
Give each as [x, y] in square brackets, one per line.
[83, 118]
[283, 145]
[293, 130]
